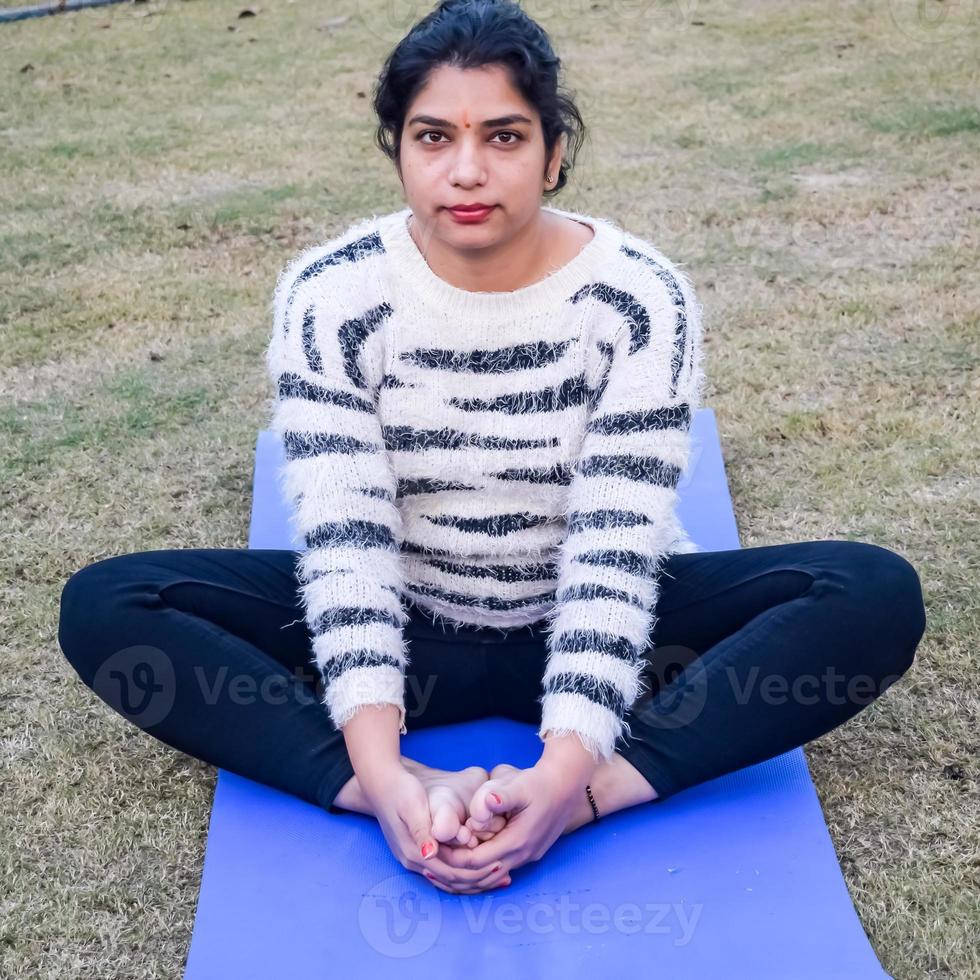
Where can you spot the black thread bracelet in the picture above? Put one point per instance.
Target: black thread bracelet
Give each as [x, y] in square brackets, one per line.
[595, 809]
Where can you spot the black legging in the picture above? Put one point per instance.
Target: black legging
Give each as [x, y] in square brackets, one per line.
[755, 652]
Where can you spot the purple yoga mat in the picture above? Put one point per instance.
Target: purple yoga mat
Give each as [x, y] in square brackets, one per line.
[734, 878]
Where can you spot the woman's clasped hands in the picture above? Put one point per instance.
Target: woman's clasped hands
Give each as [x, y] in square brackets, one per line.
[536, 805]
[466, 832]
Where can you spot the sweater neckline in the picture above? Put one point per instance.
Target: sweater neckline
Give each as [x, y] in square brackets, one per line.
[548, 293]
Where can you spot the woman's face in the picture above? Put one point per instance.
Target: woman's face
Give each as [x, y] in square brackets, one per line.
[470, 137]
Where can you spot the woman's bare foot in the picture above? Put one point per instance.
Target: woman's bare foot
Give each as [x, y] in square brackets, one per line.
[615, 785]
[483, 830]
[449, 793]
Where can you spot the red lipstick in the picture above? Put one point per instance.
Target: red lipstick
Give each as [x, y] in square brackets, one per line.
[471, 214]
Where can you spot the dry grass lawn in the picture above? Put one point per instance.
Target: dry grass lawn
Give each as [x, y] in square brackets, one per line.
[810, 164]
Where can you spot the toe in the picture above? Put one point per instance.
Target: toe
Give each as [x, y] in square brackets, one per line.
[445, 819]
[479, 810]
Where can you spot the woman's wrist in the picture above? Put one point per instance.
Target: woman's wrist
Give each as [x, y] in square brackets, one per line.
[378, 777]
[568, 762]
[374, 743]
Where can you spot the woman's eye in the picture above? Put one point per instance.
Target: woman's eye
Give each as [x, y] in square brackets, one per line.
[514, 137]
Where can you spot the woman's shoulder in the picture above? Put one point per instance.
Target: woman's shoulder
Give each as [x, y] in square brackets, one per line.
[656, 278]
[629, 254]
[351, 252]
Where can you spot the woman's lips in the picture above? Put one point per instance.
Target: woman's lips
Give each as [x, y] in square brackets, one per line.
[471, 217]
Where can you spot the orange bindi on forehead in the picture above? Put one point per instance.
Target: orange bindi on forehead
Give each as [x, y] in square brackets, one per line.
[466, 119]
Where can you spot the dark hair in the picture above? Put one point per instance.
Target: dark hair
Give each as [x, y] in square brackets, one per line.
[472, 34]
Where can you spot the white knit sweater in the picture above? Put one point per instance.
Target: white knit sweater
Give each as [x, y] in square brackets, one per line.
[497, 458]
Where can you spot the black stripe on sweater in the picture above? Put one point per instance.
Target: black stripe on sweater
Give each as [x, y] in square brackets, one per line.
[340, 616]
[352, 252]
[621, 559]
[417, 487]
[352, 659]
[605, 519]
[572, 391]
[304, 445]
[406, 438]
[504, 574]
[640, 469]
[312, 353]
[352, 534]
[598, 641]
[291, 385]
[626, 305]
[560, 474]
[593, 590]
[518, 357]
[481, 602]
[352, 336]
[496, 525]
[598, 691]
[677, 298]
[380, 493]
[654, 419]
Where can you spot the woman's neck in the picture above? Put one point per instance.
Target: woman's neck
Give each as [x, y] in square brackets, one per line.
[549, 242]
[563, 268]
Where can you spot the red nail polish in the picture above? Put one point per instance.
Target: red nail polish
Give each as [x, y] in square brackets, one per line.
[430, 876]
[427, 849]
[495, 798]
[492, 870]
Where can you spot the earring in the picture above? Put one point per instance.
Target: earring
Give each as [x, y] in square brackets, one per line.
[548, 178]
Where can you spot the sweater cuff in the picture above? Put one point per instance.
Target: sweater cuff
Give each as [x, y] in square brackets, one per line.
[366, 686]
[565, 713]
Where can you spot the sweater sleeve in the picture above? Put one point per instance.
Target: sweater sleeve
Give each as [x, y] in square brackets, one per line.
[621, 511]
[341, 490]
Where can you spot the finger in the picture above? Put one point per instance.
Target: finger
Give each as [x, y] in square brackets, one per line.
[497, 822]
[488, 801]
[416, 817]
[502, 847]
[447, 869]
[441, 886]
[497, 878]
[493, 879]
[417, 820]
[468, 886]
[446, 818]
[468, 891]
[483, 799]
[484, 835]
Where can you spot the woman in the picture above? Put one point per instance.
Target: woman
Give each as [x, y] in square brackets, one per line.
[485, 407]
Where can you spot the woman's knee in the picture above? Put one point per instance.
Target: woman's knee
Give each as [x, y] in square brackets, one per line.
[888, 594]
[90, 600]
